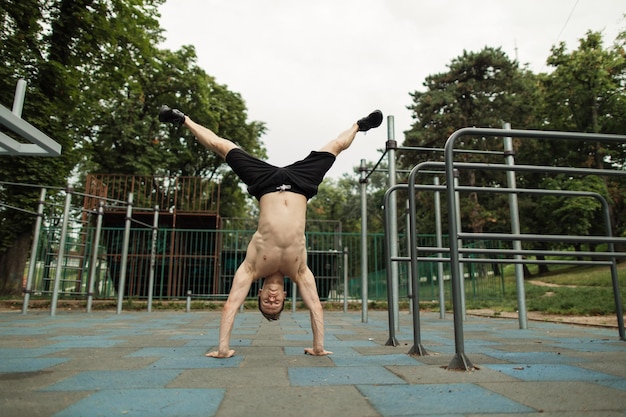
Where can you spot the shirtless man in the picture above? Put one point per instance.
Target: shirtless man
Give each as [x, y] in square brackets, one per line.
[278, 246]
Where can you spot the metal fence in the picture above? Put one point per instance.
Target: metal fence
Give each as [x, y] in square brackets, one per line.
[204, 262]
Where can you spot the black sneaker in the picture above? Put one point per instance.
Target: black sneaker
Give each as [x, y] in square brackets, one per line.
[374, 119]
[173, 116]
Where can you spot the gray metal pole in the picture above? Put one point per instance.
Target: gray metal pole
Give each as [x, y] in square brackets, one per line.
[461, 265]
[345, 279]
[460, 360]
[33, 251]
[409, 289]
[417, 348]
[294, 296]
[391, 317]
[155, 232]
[393, 226]
[122, 283]
[515, 229]
[94, 257]
[18, 99]
[61, 251]
[439, 241]
[364, 281]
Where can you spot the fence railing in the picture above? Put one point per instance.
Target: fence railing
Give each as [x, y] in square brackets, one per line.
[204, 262]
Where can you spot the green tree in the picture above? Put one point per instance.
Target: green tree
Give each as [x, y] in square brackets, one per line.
[49, 44]
[96, 81]
[585, 93]
[125, 136]
[480, 89]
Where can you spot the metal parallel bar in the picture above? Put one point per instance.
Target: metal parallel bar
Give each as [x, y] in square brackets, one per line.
[460, 361]
[392, 340]
[364, 280]
[392, 274]
[504, 261]
[39, 139]
[541, 238]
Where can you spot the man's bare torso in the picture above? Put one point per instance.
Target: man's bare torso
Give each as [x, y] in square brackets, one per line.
[278, 245]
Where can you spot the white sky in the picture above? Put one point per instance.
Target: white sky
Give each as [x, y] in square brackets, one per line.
[310, 68]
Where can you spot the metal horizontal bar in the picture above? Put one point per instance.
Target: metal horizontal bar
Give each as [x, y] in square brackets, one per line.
[506, 261]
[530, 252]
[17, 125]
[540, 238]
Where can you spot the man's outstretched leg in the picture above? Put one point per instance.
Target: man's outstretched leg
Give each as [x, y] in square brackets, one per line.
[205, 136]
[344, 140]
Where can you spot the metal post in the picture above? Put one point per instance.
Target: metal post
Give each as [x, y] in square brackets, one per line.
[294, 296]
[94, 257]
[439, 241]
[155, 230]
[389, 260]
[61, 251]
[122, 283]
[515, 229]
[188, 305]
[364, 280]
[33, 251]
[460, 360]
[417, 348]
[461, 265]
[393, 226]
[409, 289]
[345, 279]
[18, 99]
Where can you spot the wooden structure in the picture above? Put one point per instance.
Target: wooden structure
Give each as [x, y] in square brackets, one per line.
[184, 203]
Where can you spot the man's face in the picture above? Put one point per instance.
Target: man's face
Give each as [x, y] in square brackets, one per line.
[272, 299]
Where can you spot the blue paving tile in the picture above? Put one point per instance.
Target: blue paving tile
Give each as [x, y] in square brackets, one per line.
[615, 383]
[341, 376]
[148, 403]
[550, 372]
[197, 362]
[172, 352]
[97, 380]
[374, 360]
[6, 353]
[597, 345]
[213, 342]
[30, 364]
[337, 351]
[297, 336]
[444, 399]
[22, 331]
[69, 342]
[531, 357]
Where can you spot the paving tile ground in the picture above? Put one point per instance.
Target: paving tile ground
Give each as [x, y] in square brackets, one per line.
[153, 364]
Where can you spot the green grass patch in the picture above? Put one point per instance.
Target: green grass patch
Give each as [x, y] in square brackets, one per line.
[582, 290]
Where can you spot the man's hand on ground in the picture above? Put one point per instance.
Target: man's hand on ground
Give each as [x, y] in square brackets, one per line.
[217, 354]
[313, 352]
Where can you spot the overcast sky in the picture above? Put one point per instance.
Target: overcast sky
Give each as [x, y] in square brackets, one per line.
[310, 68]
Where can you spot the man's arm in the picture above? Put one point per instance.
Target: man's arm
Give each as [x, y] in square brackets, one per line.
[238, 293]
[308, 292]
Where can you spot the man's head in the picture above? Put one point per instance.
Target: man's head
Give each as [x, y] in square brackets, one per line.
[272, 298]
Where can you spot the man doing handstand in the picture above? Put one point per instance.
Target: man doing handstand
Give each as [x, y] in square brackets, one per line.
[277, 248]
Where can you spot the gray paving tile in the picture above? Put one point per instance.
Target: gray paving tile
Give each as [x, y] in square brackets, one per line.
[438, 399]
[148, 403]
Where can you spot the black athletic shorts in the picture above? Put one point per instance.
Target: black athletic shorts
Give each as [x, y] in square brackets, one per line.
[302, 177]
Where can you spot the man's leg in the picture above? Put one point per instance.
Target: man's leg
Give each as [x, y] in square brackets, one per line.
[204, 135]
[344, 140]
[209, 139]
